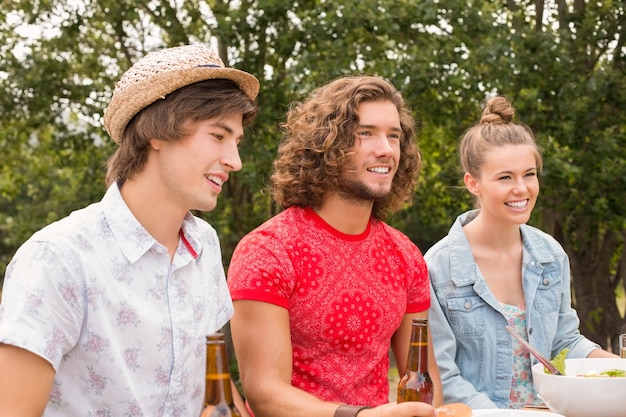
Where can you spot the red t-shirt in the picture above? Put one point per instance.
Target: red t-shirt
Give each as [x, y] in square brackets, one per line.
[346, 296]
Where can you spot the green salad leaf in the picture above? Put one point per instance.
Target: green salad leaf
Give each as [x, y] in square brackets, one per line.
[615, 373]
[559, 361]
[611, 373]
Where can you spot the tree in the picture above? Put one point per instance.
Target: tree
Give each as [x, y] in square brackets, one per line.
[571, 90]
[561, 62]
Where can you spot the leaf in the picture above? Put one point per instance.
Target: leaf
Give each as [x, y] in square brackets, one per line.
[559, 361]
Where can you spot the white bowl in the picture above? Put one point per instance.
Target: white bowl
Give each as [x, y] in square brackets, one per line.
[576, 396]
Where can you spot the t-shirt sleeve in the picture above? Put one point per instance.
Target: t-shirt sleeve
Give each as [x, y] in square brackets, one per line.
[42, 302]
[260, 269]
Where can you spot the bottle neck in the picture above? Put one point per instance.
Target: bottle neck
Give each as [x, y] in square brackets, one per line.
[217, 389]
[418, 349]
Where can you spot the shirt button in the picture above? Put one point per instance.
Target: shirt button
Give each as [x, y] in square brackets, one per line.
[546, 281]
[467, 304]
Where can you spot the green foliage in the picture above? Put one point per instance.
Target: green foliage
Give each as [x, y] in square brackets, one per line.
[594, 318]
[563, 70]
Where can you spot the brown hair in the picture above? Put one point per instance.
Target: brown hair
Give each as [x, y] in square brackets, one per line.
[168, 119]
[495, 128]
[318, 137]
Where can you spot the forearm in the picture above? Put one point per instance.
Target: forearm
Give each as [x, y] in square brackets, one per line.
[291, 401]
[276, 399]
[601, 353]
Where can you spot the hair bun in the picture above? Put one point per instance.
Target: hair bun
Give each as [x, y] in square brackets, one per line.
[498, 110]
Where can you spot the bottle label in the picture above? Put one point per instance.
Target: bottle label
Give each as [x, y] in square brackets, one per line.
[217, 376]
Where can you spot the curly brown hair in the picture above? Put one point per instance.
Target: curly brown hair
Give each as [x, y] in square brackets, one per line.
[318, 138]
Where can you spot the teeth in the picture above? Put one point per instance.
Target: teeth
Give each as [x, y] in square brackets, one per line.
[379, 170]
[215, 179]
[518, 204]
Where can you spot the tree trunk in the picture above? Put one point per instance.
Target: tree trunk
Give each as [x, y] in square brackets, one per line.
[593, 281]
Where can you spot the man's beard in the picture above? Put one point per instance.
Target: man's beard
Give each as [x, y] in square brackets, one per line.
[358, 191]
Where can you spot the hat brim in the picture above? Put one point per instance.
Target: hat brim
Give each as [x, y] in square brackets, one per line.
[123, 107]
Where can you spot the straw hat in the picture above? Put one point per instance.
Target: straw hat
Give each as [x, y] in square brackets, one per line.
[162, 72]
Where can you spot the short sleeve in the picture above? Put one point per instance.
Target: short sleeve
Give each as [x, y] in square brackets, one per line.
[261, 270]
[42, 302]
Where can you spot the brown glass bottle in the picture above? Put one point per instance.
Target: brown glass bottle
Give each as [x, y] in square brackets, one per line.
[415, 384]
[218, 391]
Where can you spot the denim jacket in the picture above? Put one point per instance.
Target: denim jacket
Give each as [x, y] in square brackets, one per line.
[472, 347]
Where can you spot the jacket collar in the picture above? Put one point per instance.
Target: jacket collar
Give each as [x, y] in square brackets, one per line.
[463, 268]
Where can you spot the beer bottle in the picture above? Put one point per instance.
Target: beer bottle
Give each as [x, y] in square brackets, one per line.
[415, 384]
[218, 391]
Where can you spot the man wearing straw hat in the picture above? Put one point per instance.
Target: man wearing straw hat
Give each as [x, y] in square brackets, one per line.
[105, 312]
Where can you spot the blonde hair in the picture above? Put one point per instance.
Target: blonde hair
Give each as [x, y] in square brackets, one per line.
[495, 128]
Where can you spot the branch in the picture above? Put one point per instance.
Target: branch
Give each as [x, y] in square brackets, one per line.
[516, 22]
[620, 272]
[563, 14]
[172, 26]
[539, 8]
[619, 47]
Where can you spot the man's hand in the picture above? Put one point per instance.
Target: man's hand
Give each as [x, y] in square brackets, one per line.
[406, 409]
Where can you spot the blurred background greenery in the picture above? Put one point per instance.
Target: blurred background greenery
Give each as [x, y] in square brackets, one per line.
[561, 62]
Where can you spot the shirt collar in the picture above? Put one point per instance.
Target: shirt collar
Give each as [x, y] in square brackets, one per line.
[132, 238]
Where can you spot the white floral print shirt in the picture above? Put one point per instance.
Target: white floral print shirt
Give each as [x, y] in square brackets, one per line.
[123, 325]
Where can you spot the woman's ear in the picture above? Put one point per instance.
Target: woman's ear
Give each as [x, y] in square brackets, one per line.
[471, 184]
